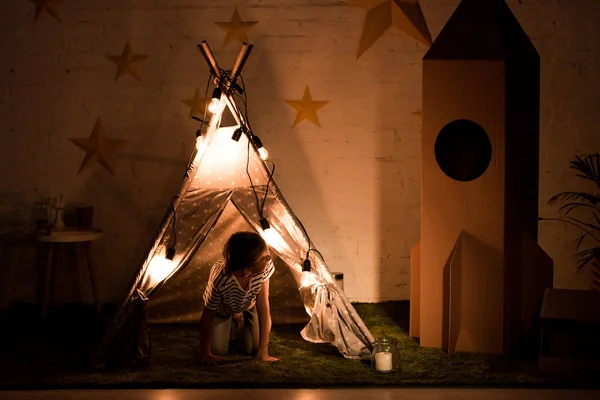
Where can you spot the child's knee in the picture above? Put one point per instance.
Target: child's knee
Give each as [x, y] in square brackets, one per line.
[219, 349]
[249, 349]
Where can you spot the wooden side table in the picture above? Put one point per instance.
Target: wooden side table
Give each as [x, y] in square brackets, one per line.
[69, 236]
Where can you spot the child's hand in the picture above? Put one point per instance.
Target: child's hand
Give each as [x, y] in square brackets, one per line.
[268, 359]
[264, 356]
[209, 359]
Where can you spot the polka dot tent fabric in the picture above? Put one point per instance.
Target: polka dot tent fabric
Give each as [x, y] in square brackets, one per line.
[227, 188]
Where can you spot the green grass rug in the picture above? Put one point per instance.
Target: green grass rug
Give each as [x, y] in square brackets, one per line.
[56, 360]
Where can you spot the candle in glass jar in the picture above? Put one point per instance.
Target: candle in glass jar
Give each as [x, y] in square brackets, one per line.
[383, 361]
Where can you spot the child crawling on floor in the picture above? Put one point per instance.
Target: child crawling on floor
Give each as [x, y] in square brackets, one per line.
[236, 300]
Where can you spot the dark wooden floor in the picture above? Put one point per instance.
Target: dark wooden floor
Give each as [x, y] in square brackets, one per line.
[308, 394]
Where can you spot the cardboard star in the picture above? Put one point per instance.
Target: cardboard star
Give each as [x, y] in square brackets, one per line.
[197, 103]
[98, 148]
[127, 63]
[236, 28]
[382, 14]
[48, 6]
[306, 108]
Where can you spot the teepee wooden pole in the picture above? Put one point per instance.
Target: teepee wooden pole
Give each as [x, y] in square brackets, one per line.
[211, 62]
[240, 62]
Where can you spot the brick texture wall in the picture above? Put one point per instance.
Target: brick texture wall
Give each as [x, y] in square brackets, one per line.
[354, 182]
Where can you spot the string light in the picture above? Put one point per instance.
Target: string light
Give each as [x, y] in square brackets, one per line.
[214, 102]
[170, 253]
[306, 272]
[264, 224]
[200, 142]
[237, 134]
[161, 267]
[264, 154]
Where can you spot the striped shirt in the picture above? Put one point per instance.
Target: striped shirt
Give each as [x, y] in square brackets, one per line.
[224, 293]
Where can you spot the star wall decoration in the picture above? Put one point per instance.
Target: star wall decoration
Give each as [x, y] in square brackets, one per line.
[382, 14]
[128, 63]
[98, 148]
[236, 28]
[306, 108]
[47, 6]
[197, 104]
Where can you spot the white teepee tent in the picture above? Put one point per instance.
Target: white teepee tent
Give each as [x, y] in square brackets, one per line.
[227, 187]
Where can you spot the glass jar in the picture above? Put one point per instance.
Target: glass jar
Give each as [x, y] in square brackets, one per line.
[385, 357]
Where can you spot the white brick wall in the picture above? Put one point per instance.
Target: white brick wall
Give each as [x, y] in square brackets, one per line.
[354, 183]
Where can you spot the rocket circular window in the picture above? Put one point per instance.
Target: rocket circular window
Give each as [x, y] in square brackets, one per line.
[463, 150]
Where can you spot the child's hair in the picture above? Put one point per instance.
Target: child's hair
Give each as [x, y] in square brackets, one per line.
[242, 250]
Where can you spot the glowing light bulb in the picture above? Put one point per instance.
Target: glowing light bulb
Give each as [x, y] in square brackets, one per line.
[200, 144]
[159, 269]
[264, 154]
[271, 237]
[213, 106]
[274, 239]
[306, 278]
[261, 149]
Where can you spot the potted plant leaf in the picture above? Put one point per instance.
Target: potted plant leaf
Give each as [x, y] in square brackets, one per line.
[582, 209]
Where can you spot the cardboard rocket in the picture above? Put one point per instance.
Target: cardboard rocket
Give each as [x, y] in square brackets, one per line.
[478, 275]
